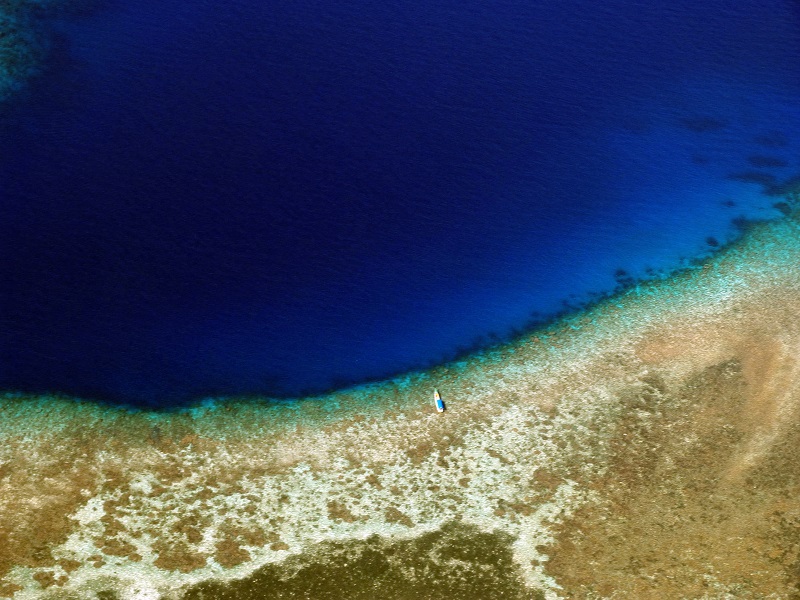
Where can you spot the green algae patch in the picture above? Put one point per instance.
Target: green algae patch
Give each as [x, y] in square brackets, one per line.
[456, 561]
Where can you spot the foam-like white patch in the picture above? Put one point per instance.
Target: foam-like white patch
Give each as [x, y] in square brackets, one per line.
[90, 512]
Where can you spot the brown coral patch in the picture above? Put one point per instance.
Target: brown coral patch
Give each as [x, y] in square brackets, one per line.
[230, 553]
[36, 498]
[48, 578]
[339, 512]
[248, 536]
[394, 515]
[69, 565]
[178, 557]
[115, 547]
[7, 590]
[276, 546]
[191, 526]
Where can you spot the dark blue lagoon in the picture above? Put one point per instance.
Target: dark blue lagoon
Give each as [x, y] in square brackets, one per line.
[214, 198]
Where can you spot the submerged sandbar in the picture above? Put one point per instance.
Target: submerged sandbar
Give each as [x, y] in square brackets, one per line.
[643, 448]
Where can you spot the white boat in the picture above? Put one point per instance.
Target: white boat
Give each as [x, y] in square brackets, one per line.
[437, 399]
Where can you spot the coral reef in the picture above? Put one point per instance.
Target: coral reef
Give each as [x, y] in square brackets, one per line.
[643, 448]
[22, 44]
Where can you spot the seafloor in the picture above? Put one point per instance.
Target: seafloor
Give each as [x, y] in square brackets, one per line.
[645, 448]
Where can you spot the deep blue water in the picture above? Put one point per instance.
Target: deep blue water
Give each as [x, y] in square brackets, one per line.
[213, 198]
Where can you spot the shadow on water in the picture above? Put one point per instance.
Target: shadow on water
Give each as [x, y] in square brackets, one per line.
[770, 185]
[772, 139]
[273, 388]
[457, 561]
[703, 124]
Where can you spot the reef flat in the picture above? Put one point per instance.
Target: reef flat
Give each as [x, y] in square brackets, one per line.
[643, 448]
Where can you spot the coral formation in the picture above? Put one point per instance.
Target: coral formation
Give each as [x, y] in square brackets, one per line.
[22, 45]
[643, 448]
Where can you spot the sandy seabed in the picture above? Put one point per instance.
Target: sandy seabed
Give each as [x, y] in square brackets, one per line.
[645, 448]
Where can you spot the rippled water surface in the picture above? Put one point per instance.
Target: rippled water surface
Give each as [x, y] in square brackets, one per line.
[205, 198]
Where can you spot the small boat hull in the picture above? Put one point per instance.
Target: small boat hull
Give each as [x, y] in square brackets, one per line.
[438, 402]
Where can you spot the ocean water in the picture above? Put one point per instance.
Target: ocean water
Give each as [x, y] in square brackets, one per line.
[203, 198]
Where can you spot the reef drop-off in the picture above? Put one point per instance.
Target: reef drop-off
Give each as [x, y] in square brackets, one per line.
[643, 448]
